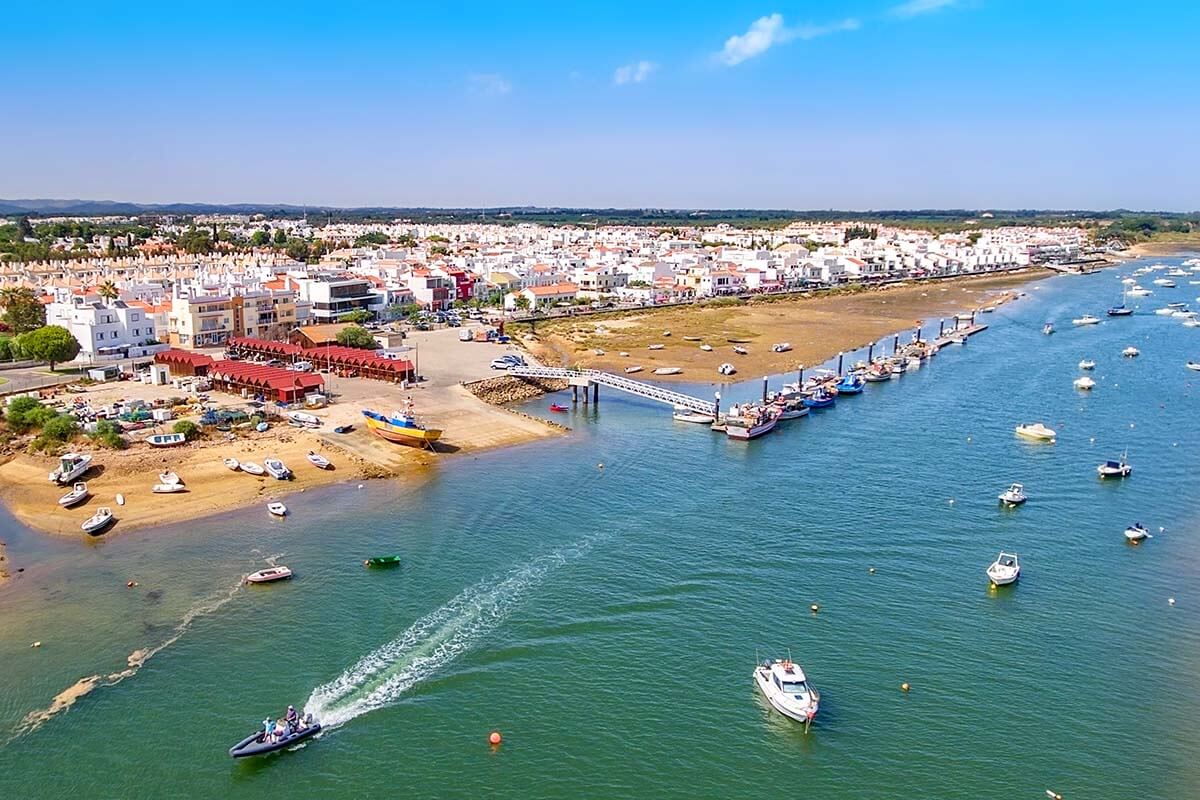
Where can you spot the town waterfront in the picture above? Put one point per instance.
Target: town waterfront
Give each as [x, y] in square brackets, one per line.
[606, 620]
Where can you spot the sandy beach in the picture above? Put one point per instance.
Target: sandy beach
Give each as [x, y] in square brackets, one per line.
[817, 327]
[1163, 248]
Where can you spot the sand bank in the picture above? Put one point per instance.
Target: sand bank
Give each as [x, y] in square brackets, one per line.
[817, 327]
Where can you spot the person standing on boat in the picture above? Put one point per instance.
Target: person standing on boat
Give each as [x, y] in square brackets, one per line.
[268, 728]
[292, 718]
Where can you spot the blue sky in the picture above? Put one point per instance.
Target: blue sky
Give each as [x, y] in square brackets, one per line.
[856, 105]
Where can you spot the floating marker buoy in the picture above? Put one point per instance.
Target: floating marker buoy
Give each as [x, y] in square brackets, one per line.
[815, 608]
[360, 486]
[904, 687]
[871, 570]
[495, 738]
[1092, 440]
[131, 584]
[968, 440]
[36, 644]
[600, 465]
[1161, 529]
[1170, 602]
[951, 501]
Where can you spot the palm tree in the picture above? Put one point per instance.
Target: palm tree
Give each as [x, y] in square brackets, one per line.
[522, 302]
[108, 290]
[12, 294]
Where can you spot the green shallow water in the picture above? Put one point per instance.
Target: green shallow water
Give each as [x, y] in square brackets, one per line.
[607, 620]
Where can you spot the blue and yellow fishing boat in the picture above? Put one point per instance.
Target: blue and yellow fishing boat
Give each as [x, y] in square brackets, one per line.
[401, 427]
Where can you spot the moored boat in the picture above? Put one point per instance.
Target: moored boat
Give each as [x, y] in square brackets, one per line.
[280, 573]
[79, 492]
[1136, 532]
[278, 509]
[749, 422]
[850, 384]
[96, 523]
[820, 398]
[785, 687]
[1014, 495]
[1115, 469]
[684, 414]
[559, 409]
[1086, 319]
[1085, 383]
[1004, 570]
[382, 561]
[1131, 352]
[1087, 363]
[1048, 328]
[1036, 430]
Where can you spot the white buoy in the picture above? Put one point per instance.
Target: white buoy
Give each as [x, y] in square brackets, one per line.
[1170, 602]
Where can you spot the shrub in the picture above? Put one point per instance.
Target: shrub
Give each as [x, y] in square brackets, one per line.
[189, 429]
[60, 428]
[26, 413]
[108, 435]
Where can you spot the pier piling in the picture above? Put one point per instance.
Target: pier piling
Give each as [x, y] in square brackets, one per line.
[941, 327]
[595, 393]
[574, 394]
[839, 369]
[764, 398]
[871, 353]
[896, 344]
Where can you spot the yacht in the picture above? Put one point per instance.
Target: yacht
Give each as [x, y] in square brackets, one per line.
[1013, 495]
[1166, 283]
[1036, 430]
[1087, 363]
[784, 685]
[1004, 570]
[1086, 319]
[1138, 291]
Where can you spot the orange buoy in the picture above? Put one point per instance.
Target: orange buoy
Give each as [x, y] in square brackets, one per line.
[495, 738]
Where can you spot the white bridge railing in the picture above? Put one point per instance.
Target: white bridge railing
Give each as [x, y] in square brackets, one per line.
[639, 388]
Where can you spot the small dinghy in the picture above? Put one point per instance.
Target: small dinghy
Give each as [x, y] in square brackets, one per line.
[261, 427]
[557, 409]
[1136, 532]
[706, 348]
[168, 488]
[169, 477]
[1087, 363]
[727, 369]
[382, 561]
[1014, 495]
[319, 461]
[259, 743]
[1192, 365]
[1085, 383]
[623, 354]
[96, 523]
[280, 573]
[1004, 570]
[1131, 352]
[631, 370]
[781, 347]
[668, 370]
[232, 463]
[74, 497]
[343, 429]
[250, 468]
[741, 351]
[655, 346]
[278, 509]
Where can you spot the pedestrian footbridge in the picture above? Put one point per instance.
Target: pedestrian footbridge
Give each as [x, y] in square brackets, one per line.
[589, 377]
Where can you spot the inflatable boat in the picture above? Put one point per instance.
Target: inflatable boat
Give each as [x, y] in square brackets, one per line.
[253, 745]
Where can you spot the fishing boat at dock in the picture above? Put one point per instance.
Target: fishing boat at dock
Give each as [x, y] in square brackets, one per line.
[750, 422]
[401, 427]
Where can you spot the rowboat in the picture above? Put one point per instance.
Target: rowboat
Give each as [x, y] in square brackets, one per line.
[74, 497]
[706, 348]
[250, 468]
[631, 370]
[305, 419]
[684, 414]
[741, 351]
[232, 463]
[278, 509]
[655, 346]
[166, 439]
[401, 427]
[319, 461]
[668, 370]
[97, 522]
[556, 408]
[382, 561]
[781, 347]
[269, 574]
[343, 429]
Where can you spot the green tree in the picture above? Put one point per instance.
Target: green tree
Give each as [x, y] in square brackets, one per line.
[52, 343]
[357, 315]
[108, 290]
[60, 428]
[281, 238]
[356, 336]
[196, 241]
[23, 312]
[25, 227]
[297, 249]
[260, 239]
[373, 237]
[8, 349]
[189, 429]
[521, 303]
[25, 413]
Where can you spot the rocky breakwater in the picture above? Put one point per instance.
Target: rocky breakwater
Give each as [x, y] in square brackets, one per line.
[507, 389]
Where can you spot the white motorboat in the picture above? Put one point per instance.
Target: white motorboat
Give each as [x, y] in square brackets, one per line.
[1085, 383]
[1087, 363]
[1191, 323]
[169, 477]
[1004, 570]
[1129, 281]
[318, 460]
[166, 439]
[280, 573]
[1136, 533]
[70, 467]
[1036, 430]
[278, 509]
[168, 488]
[1166, 283]
[631, 370]
[781, 347]
[684, 414]
[623, 354]
[1192, 365]
[600, 352]
[1014, 495]
[1086, 319]
[305, 419]
[727, 369]
[98, 522]
[668, 370]
[666, 333]
[250, 468]
[1048, 328]
[1131, 352]
[784, 685]
[706, 348]
[1183, 313]
[1176, 272]
[275, 468]
[1138, 291]
[1165, 311]
[232, 463]
[1115, 469]
[77, 495]
[655, 346]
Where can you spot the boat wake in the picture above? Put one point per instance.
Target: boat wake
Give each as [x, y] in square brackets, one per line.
[431, 643]
[134, 662]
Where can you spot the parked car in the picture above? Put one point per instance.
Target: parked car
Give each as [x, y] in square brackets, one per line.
[501, 363]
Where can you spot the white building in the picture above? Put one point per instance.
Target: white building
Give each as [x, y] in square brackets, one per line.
[105, 329]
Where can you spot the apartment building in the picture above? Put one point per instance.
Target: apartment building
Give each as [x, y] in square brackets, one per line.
[105, 329]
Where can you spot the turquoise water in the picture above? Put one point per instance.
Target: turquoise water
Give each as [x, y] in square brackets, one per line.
[607, 620]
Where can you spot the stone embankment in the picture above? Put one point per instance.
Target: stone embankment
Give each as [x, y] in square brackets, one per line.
[507, 389]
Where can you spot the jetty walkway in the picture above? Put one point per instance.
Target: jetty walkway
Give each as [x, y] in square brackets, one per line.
[593, 379]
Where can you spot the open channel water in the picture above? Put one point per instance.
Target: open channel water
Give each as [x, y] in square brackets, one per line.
[607, 621]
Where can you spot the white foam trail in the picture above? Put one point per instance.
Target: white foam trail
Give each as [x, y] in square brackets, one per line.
[384, 675]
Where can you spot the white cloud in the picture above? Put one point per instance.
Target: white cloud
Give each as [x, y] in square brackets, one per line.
[636, 72]
[766, 32]
[915, 8]
[489, 83]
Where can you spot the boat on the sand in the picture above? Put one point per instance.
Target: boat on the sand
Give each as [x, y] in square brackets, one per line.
[250, 468]
[96, 523]
[77, 495]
